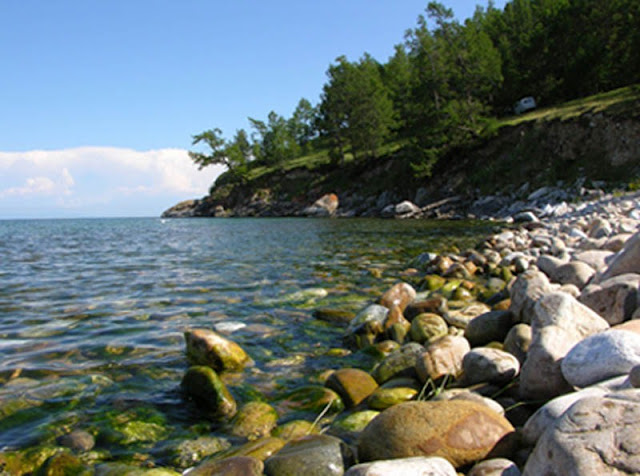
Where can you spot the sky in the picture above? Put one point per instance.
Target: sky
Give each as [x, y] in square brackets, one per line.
[99, 99]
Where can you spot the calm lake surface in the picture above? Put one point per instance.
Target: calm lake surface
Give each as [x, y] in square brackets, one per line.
[92, 312]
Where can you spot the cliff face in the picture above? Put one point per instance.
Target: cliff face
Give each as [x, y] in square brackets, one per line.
[562, 153]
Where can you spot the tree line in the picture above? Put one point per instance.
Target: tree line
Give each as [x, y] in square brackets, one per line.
[445, 80]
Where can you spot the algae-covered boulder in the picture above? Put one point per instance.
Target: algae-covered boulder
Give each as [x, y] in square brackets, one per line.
[460, 431]
[393, 392]
[427, 327]
[63, 464]
[207, 389]
[353, 385]
[254, 420]
[205, 347]
[312, 398]
[190, 452]
[401, 363]
[295, 429]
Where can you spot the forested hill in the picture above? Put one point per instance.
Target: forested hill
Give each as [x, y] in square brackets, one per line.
[447, 90]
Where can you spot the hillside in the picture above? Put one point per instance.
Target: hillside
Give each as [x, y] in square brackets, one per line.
[566, 147]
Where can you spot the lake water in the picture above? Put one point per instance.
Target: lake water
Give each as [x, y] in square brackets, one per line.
[92, 312]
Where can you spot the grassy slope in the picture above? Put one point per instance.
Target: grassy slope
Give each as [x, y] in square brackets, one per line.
[315, 170]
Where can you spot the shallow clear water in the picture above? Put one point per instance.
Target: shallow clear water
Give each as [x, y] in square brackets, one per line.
[92, 312]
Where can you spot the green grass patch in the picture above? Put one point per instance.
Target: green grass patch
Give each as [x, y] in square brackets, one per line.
[618, 101]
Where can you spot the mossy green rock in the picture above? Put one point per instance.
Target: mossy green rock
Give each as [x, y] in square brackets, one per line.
[63, 464]
[205, 347]
[433, 282]
[254, 420]
[356, 422]
[295, 429]
[25, 461]
[312, 398]
[140, 432]
[394, 392]
[384, 398]
[427, 327]
[450, 287]
[353, 385]
[207, 389]
[190, 452]
[400, 363]
[260, 449]
[234, 466]
[120, 469]
[313, 455]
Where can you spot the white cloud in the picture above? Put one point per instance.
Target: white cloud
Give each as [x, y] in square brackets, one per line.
[98, 181]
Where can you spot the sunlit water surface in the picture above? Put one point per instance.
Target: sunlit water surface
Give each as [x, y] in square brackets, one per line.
[92, 312]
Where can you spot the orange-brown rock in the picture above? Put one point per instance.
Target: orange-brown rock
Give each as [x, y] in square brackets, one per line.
[442, 357]
[401, 295]
[396, 317]
[353, 385]
[460, 431]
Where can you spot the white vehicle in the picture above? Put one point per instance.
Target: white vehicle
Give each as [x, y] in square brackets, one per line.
[524, 105]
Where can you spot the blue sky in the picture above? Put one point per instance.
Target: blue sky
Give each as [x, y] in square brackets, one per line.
[107, 93]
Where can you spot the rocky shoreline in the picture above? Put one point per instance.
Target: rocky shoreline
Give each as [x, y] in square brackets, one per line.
[536, 371]
[521, 356]
[523, 204]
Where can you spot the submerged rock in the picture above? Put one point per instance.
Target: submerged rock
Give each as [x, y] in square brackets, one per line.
[207, 389]
[254, 420]
[205, 347]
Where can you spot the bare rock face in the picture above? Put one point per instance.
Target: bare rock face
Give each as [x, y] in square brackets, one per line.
[597, 435]
[459, 431]
[559, 322]
[185, 209]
